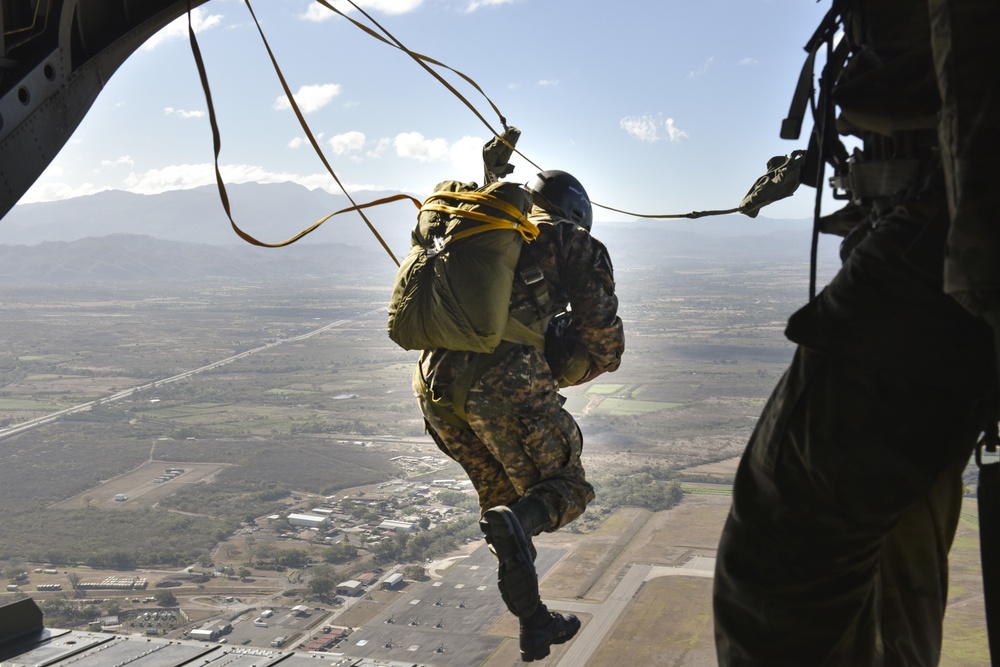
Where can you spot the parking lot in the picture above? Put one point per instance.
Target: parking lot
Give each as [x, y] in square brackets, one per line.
[282, 623]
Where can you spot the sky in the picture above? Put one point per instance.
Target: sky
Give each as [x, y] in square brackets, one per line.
[656, 106]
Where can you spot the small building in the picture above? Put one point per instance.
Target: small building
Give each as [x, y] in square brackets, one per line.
[351, 587]
[308, 520]
[392, 581]
[389, 524]
[211, 631]
[300, 610]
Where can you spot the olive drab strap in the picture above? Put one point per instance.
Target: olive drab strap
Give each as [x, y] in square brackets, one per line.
[824, 145]
[217, 147]
[988, 498]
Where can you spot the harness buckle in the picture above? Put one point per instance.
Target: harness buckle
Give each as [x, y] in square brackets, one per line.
[436, 247]
[532, 275]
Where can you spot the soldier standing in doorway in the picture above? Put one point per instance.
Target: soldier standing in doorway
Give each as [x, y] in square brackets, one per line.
[848, 494]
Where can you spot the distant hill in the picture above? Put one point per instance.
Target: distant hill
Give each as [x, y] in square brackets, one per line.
[273, 212]
[130, 258]
[270, 212]
[184, 235]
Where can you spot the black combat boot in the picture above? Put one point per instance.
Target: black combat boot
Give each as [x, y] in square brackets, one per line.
[543, 629]
[534, 518]
[516, 576]
[533, 515]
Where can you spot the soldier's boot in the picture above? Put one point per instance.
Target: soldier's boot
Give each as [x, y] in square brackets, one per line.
[543, 629]
[516, 576]
[534, 518]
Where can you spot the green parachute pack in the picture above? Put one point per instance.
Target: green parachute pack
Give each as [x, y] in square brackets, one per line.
[453, 289]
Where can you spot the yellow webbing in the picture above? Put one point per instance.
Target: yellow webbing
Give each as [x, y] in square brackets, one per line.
[483, 199]
[517, 221]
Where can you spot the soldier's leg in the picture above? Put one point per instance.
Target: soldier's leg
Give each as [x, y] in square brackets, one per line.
[516, 579]
[839, 455]
[464, 447]
[914, 573]
[517, 412]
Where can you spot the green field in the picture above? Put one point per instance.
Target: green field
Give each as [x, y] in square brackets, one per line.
[27, 404]
[601, 389]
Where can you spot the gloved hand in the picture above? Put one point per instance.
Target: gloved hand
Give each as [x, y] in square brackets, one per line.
[496, 155]
[569, 362]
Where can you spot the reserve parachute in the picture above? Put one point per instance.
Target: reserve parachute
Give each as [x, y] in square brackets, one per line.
[453, 289]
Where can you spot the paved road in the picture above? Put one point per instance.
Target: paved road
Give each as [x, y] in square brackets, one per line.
[125, 393]
[605, 614]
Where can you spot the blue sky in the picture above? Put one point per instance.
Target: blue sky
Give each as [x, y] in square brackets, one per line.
[657, 106]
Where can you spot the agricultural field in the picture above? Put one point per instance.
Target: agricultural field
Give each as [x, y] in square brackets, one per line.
[264, 390]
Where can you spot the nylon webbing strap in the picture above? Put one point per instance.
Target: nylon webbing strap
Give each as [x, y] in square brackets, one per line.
[217, 148]
[521, 334]
[988, 497]
[425, 63]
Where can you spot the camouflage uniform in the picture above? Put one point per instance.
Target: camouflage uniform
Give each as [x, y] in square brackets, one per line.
[516, 439]
[848, 495]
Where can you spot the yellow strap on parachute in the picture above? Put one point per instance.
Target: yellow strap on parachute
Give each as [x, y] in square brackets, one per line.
[515, 219]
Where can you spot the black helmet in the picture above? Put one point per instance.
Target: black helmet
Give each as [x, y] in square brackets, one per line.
[561, 194]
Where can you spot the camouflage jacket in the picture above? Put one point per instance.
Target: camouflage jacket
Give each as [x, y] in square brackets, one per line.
[578, 273]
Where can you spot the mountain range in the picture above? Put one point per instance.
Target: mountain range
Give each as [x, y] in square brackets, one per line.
[184, 235]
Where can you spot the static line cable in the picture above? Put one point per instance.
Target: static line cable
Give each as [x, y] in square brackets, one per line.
[424, 60]
[665, 216]
[315, 145]
[217, 147]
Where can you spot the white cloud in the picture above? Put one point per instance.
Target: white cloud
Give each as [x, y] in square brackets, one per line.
[178, 28]
[642, 128]
[466, 157]
[701, 70]
[674, 133]
[317, 12]
[124, 159]
[414, 145]
[183, 113]
[380, 148]
[748, 61]
[310, 98]
[41, 192]
[298, 142]
[476, 4]
[186, 176]
[545, 83]
[347, 142]
[651, 129]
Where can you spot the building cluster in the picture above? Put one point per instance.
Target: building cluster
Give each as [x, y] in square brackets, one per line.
[115, 583]
[211, 631]
[400, 506]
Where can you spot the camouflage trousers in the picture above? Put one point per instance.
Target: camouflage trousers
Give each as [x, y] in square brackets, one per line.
[847, 498]
[518, 441]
